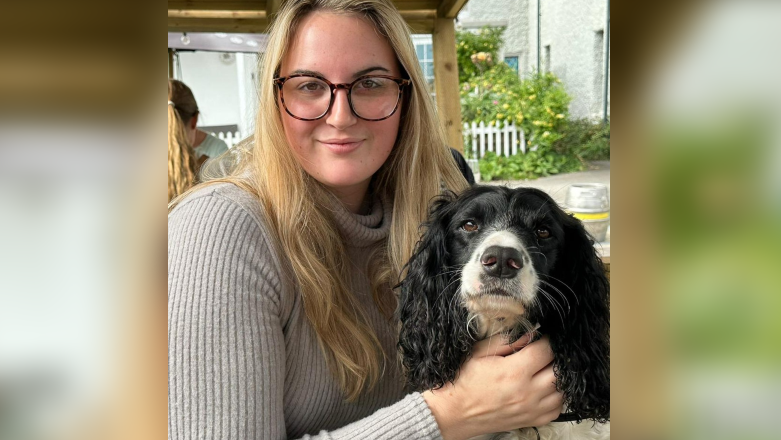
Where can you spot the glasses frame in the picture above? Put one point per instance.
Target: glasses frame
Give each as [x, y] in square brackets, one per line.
[280, 82]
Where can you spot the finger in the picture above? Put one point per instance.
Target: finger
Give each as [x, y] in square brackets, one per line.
[544, 378]
[548, 417]
[494, 346]
[552, 402]
[534, 357]
[522, 342]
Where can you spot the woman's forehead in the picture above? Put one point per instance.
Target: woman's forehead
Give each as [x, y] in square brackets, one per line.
[338, 45]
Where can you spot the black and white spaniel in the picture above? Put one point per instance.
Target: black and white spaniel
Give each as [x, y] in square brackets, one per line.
[500, 260]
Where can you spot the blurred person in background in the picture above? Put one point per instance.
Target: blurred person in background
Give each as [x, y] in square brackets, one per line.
[188, 147]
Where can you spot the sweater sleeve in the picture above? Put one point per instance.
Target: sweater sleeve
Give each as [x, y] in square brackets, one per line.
[409, 418]
[226, 348]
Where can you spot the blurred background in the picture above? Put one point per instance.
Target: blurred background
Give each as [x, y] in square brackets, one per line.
[695, 223]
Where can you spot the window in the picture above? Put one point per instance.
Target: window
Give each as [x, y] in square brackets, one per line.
[512, 61]
[425, 52]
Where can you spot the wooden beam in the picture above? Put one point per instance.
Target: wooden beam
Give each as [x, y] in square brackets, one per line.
[228, 25]
[450, 8]
[170, 63]
[196, 13]
[416, 5]
[446, 81]
[214, 5]
[429, 14]
[272, 6]
[421, 26]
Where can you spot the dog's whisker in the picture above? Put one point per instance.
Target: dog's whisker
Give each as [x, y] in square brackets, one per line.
[555, 289]
[543, 255]
[556, 305]
[563, 284]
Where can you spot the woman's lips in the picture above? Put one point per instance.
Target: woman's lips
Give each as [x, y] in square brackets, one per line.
[342, 146]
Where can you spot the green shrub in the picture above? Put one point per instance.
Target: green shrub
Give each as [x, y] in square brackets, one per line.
[492, 92]
[585, 140]
[531, 165]
[486, 41]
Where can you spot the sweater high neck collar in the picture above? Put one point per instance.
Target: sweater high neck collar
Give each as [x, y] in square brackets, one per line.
[364, 230]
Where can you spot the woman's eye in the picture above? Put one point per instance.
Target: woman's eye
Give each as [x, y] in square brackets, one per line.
[368, 84]
[470, 226]
[310, 87]
[543, 233]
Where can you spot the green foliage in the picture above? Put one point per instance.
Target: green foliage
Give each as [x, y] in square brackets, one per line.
[493, 93]
[539, 104]
[531, 165]
[585, 140]
[486, 41]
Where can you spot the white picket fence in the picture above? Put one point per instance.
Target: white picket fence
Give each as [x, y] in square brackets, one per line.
[230, 138]
[505, 141]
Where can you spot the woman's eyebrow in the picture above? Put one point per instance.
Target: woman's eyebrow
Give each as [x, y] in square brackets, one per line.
[370, 69]
[355, 75]
[306, 72]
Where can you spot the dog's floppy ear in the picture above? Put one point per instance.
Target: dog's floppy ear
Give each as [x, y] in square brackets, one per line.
[434, 340]
[581, 345]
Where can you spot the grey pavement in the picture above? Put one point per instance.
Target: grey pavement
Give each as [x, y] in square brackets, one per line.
[557, 185]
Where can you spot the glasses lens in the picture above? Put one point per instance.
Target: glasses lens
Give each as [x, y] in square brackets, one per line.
[306, 97]
[374, 98]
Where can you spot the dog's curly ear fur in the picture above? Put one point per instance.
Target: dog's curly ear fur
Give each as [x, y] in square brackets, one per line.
[434, 339]
[581, 341]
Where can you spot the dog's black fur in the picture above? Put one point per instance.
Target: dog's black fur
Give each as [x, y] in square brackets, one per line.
[436, 338]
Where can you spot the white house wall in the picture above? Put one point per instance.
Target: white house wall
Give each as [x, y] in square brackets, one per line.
[215, 86]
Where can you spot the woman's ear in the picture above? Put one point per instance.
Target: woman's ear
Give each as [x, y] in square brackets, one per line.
[193, 122]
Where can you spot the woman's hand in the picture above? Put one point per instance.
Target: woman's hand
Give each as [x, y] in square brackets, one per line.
[498, 390]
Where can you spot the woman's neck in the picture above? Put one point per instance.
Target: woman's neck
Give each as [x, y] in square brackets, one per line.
[199, 137]
[355, 199]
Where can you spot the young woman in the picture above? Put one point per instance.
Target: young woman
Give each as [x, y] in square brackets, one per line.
[280, 300]
[188, 147]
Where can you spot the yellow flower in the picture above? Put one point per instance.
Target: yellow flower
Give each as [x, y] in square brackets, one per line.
[537, 123]
[519, 116]
[506, 106]
[546, 134]
[532, 97]
[560, 116]
[500, 116]
[491, 124]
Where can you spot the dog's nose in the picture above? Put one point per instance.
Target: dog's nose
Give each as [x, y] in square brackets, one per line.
[501, 262]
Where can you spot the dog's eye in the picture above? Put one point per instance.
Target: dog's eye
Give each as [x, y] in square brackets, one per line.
[470, 226]
[543, 233]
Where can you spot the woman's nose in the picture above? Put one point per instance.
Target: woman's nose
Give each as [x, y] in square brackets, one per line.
[341, 116]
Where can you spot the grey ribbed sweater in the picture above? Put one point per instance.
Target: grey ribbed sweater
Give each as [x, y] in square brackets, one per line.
[243, 361]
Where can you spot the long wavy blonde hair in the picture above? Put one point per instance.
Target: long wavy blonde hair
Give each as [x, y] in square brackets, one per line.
[181, 158]
[419, 167]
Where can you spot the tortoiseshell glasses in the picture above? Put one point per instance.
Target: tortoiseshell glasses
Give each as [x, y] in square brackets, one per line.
[371, 97]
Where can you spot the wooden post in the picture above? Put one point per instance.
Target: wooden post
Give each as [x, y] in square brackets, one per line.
[170, 63]
[446, 81]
